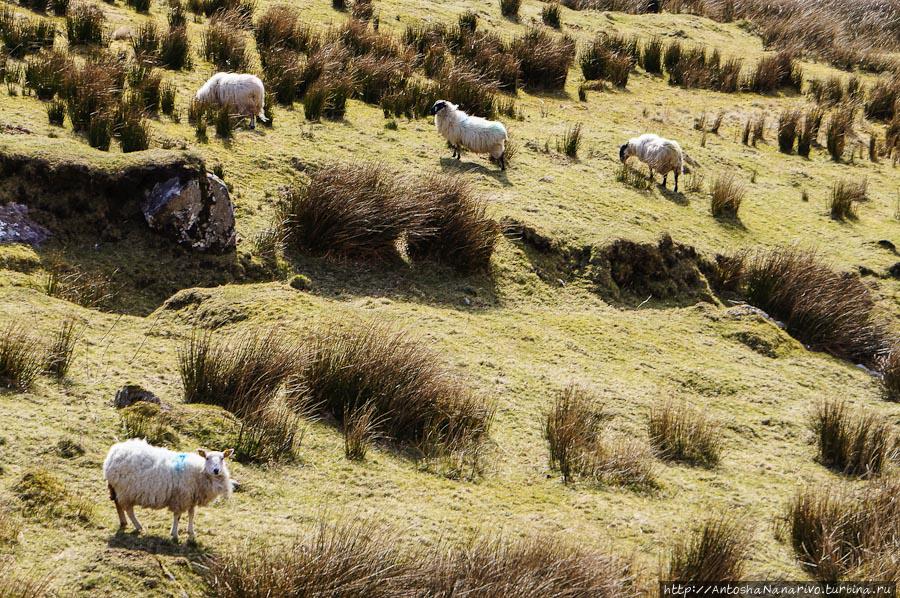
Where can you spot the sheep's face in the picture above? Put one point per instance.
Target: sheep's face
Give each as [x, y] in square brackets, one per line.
[438, 106]
[215, 462]
[624, 152]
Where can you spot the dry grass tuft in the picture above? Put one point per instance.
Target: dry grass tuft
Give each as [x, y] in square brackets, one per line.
[680, 433]
[857, 444]
[225, 42]
[20, 358]
[571, 141]
[840, 126]
[22, 585]
[890, 371]
[61, 351]
[85, 25]
[844, 194]
[788, 125]
[360, 429]
[718, 550]
[835, 532]
[544, 58]
[812, 121]
[727, 195]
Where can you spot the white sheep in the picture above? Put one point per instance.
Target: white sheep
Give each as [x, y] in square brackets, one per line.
[241, 92]
[477, 134]
[661, 155]
[139, 474]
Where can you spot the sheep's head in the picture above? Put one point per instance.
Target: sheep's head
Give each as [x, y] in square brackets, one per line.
[215, 461]
[625, 152]
[438, 106]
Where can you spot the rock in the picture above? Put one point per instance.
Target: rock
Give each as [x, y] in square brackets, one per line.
[887, 245]
[895, 270]
[130, 394]
[195, 212]
[16, 227]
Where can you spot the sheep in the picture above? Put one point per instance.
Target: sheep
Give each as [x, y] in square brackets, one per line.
[240, 92]
[139, 474]
[477, 134]
[662, 155]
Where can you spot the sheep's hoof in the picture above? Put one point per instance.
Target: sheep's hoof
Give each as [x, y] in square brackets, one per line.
[175, 539]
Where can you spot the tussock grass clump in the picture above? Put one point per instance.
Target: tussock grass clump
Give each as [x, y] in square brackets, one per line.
[544, 58]
[574, 428]
[46, 73]
[858, 444]
[85, 24]
[328, 96]
[788, 125]
[145, 42]
[283, 74]
[142, 6]
[360, 429]
[175, 49]
[681, 433]
[22, 585]
[416, 399]
[241, 374]
[571, 141]
[776, 72]
[365, 558]
[44, 495]
[134, 133]
[350, 211]
[90, 93]
[844, 195]
[835, 531]
[61, 350]
[10, 528]
[603, 59]
[550, 15]
[167, 98]
[717, 550]
[377, 76]
[890, 371]
[271, 434]
[812, 121]
[455, 229]
[280, 28]
[510, 8]
[89, 289]
[883, 96]
[827, 310]
[840, 126]
[468, 21]
[20, 358]
[23, 36]
[651, 56]
[470, 90]
[827, 92]
[147, 421]
[56, 112]
[225, 43]
[727, 194]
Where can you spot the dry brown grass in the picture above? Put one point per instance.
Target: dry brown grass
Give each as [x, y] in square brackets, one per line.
[20, 358]
[890, 370]
[844, 195]
[718, 550]
[854, 443]
[727, 194]
[679, 432]
[788, 127]
[840, 127]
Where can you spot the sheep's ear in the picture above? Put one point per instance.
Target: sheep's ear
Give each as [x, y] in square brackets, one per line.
[228, 453]
[202, 453]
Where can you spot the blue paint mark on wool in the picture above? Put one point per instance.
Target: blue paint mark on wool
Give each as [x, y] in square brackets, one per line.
[180, 461]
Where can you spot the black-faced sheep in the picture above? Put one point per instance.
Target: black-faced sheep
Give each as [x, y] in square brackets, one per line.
[661, 155]
[139, 474]
[474, 133]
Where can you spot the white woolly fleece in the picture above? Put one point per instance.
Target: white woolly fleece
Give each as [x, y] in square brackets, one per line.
[474, 133]
[147, 476]
[662, 155]
[241, 92]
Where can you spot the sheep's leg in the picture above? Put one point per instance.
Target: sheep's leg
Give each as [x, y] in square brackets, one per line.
[191, 524]
[651, 175]
[253, 121]
[175, 518]
[676, 181]
[458, 154]
[502, 161]
[665, 176]
[134, 520]
[122, 522]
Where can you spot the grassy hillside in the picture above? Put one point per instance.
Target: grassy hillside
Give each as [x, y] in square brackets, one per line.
[517, 335]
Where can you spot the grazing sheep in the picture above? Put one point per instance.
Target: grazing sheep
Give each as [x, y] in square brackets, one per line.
[240, 92]
[123, 33]
[477, 134]
[139, 474]
[662, 155]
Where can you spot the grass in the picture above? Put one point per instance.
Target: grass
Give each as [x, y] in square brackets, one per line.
[856, 444]
[788, 125]
[175, 49]
[717, 550]
[571, 141]
[603, 59]
[61, 350]
[844, 194]
[360, 429]
[225, 42]
[271, 435]
[834, 531]
[827, 310]
[456, 230]
[840, 126]
[510, 8]
[364, 559]
[22, 585]
[651, 56]
[633, 178]
[890, 370]
[544, 59]
[20, 359]
[727, 193]
[43, 495]
[679, 432]
[147, 421]
[812, 121]
[85, 25]
[550, 15]
[417, 399]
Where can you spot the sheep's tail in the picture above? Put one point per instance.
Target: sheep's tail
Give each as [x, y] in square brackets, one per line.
[112, 493]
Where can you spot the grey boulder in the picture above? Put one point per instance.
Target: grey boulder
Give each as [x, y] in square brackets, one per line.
[195, 212]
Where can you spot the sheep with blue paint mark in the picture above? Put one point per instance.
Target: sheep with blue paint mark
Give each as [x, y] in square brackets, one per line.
[142, 475]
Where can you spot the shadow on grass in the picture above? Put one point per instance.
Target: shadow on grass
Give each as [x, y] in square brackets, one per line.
[676, 197]
[494, 172]
[153, 544]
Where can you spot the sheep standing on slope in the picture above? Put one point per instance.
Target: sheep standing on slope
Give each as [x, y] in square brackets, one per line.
[471, 132]
[139, 474]
[661, 155]
[239, 92]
